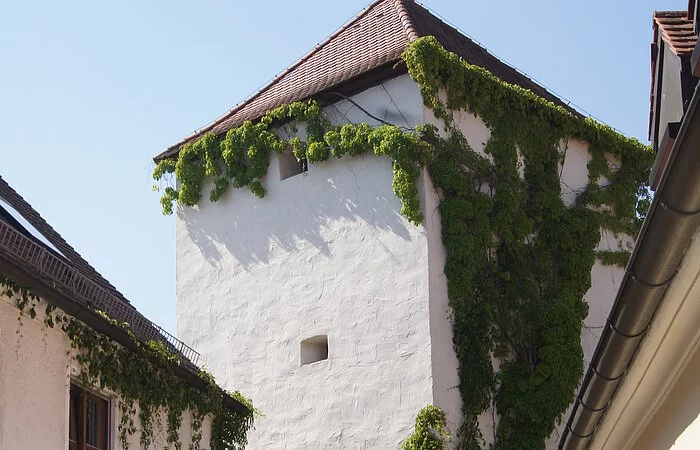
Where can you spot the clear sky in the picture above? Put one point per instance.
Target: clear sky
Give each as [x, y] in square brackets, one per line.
[91, 90]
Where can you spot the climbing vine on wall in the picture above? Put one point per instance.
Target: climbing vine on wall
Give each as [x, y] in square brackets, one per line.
[242, 157]
[518, 259]
[430, 431]
[143, 377]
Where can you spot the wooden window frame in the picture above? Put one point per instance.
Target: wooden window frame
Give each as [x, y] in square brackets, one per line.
[77, 419]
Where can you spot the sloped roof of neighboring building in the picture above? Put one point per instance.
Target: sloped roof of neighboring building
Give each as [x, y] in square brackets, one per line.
[676, 30]
[359, 54]
[34, 218]
[60, 265]
[20, 244]
[56, 272]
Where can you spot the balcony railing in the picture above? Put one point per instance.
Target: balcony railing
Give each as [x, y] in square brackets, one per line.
[66, 278]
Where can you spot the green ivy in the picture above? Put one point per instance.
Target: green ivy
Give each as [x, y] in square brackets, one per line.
[518, 259]
[242, 157]
[430, 432]
[618, 258]
[144, 377]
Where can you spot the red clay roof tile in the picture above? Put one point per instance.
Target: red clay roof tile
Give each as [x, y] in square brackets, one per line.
[677, 31]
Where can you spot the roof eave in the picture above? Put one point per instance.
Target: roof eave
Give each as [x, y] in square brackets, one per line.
[174, 149]
[89, 317]
[349, 87]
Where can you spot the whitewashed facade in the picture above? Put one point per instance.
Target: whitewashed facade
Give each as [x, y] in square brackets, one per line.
[37, 371]
[326, 253]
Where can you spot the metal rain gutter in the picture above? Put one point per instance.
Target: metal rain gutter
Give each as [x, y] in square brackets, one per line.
[672, 221]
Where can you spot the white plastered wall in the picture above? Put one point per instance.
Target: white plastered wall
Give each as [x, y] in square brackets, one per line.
[324, 253]
[35, 375]
[33, 382]
[327, 253]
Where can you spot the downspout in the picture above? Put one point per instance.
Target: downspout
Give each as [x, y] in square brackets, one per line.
[672, 221]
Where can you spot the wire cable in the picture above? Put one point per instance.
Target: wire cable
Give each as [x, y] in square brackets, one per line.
[395, 105]
[369, 114]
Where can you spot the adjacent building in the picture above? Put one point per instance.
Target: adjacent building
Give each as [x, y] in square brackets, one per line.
[641, 390]
[44, 403]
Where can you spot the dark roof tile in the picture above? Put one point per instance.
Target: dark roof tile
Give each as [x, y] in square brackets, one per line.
[373, 39]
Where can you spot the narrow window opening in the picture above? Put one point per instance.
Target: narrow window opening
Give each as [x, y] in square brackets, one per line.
[314, 349]
[289, 166]
[89, 419]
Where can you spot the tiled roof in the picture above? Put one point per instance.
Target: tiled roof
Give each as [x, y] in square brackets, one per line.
[32, 216]
[86, 285]
[71, 283]
[677, 31]
[372, 41]
[426, 24]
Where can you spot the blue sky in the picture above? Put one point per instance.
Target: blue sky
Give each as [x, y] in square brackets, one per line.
[90, 91]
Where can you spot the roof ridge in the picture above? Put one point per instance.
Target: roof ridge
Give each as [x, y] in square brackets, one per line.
[406, 20]
[663, 14]
[280, 75]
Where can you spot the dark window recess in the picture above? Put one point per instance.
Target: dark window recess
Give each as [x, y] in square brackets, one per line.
[314, 349]
[289, 166]
[656, 112]
[89, 426]
[688, 82]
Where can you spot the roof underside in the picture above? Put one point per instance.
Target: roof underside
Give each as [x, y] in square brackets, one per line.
[365, 49]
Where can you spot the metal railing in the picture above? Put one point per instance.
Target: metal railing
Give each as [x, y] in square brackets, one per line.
[86, 291]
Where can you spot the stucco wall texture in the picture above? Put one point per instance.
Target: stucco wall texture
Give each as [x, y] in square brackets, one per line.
[327, 253]
[35, 377]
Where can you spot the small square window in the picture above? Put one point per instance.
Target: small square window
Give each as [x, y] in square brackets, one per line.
[289, 166]
[314, 349]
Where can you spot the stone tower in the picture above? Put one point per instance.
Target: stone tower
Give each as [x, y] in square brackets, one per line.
[320, 301]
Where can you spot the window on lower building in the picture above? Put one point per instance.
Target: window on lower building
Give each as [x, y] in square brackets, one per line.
[314, 349]
[89, 415]
[289, 166]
